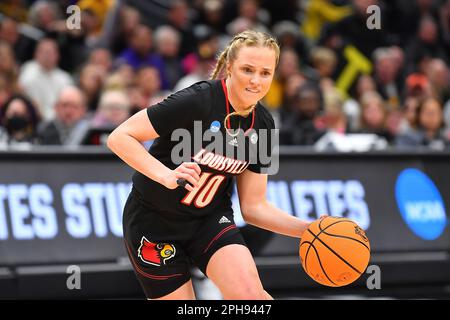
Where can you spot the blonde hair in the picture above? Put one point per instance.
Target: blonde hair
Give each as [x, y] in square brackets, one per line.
[248, 38]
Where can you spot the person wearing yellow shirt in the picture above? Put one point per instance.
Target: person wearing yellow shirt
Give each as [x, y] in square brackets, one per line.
[320, 12]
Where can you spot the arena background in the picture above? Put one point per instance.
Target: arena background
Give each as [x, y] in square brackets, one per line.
[348, 97]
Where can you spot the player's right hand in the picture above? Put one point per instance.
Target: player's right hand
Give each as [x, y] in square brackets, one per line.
[190, 171]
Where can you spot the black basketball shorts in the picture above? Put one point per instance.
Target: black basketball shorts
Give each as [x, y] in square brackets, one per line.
[162, 249]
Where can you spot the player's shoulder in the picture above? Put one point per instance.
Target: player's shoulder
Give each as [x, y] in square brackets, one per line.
[198, 96]
[264, 116]
[200, 88]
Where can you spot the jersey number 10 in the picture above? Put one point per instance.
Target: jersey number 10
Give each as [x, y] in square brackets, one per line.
[207, 188]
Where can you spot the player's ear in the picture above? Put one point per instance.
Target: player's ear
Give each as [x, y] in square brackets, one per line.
[228, 70]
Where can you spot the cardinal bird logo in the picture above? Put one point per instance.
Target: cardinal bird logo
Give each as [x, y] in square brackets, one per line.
[155, 254]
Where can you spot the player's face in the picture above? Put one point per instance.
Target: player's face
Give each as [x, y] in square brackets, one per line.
[251, 74]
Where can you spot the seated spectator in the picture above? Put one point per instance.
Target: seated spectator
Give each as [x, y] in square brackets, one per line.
[120, 25]
[288, 36]
[71, 122]
[41, 78]
[299, 124]
[5, 89]
[324, 61]
[44, 15]
[167, 41]
[289, 65]
[101, 57]
[15, 9]
[418, 86]
[425, 44]
[91, 80]
[333, 118]
[352, 106]
[8, 65]
[8, 73]
[140, 53]
[387, 77]
[18, 121]
[201, 62]
[22, 44]
[148, 84]
[429, 124]
[373, 116]
[250, 16]
[409, 115]
[113, 109]
[439, 75]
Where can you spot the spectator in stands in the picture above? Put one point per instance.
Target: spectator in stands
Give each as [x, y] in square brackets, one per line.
[140, 53]
[425, 45]
[352, 30]
[91, 80]
[18, 121]
[333, 118]
[417, 85]
[178, 17]
[22, 45]
[255, 17]
[102, 58]
[320, 12]
[409, 110]
[167, 42]
[444, 20]
[211, 13]
[352, 107]
[45, 15]
[429, 124]
[439, 76]
[41, 78]
[71, 123]
[286, 32]
[8, 66]
[289, 65]
[299, 125]
[201, 62]
[324, 61]
[374, 116]
[387, 77]
[148, 84]
[97, 10]
[5, 89]
[113, 109]
[119, 27]
[15, 9]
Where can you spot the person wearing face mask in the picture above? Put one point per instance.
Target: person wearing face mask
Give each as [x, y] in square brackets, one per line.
[18, 121]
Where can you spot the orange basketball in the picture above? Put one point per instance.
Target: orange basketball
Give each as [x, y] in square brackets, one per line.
[334, 251]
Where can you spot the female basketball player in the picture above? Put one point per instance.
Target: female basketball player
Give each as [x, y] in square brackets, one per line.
[168, 223]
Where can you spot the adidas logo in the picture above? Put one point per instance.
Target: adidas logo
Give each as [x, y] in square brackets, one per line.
[224, 220]
[233, 142]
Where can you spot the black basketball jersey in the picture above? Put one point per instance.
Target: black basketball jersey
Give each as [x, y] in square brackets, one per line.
[198, 113]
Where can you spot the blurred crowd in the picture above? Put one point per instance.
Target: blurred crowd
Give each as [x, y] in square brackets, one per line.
[70, 74]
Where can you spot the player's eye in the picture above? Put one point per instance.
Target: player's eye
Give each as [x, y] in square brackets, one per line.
[247, 69]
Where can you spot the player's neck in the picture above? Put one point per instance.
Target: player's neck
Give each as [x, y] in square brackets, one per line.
[235, 102]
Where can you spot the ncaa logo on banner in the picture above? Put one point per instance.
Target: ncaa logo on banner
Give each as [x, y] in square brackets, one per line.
[420, 204]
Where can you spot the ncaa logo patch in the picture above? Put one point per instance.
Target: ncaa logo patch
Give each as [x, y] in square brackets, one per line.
[215, 126]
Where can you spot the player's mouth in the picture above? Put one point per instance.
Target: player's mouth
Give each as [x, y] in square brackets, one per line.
[252, 90]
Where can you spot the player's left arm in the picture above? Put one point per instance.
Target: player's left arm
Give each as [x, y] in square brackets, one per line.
[256, 210]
